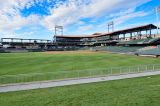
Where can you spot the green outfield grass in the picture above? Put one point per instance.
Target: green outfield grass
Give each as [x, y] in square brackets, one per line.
[29, 67]
[26, 63]
[143, 91]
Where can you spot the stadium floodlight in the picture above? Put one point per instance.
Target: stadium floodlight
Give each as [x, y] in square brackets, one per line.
[157, 10]
[58, 30]
[111, 24]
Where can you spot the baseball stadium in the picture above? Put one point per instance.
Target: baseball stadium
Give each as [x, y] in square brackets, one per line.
[111, 68]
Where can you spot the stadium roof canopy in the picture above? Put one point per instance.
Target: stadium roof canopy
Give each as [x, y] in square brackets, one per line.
[76, 36]
[134, 29]
[129, 30]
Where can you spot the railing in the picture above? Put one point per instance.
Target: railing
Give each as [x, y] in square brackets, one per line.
[21, 78]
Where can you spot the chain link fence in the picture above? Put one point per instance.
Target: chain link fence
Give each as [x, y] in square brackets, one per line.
[65, 75]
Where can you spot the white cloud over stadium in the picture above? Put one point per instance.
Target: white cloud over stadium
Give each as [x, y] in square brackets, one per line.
[67, 13]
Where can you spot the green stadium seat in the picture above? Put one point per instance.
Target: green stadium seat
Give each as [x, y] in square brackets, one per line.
[152, 51]
[139, 41]
[118, 49]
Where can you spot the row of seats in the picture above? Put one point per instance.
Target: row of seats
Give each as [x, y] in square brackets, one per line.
[139, 50]
[139, 41]
[119, 49]
[152, 51]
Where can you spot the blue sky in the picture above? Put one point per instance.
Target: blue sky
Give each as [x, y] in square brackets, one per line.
[37, 18]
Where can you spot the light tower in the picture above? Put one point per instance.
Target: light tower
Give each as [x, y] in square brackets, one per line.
[110, 25]
[157, 11]
[58, 31]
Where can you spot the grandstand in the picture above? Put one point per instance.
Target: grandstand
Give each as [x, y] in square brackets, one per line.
[24, 45]
[122, 41]
[80, 41]
[113, 38]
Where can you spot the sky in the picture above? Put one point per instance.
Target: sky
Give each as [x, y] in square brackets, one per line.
[37, 18]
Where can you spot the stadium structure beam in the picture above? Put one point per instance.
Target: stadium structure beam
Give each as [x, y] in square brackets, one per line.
[124, 36]
[150, 33]
[118, 36]
[146, 33]
[131, 35]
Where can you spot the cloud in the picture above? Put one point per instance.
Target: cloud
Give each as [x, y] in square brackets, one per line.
[69, 12]
[85, 28]
[10, 15]
[16, 22]
[74, 10]
[130, 16]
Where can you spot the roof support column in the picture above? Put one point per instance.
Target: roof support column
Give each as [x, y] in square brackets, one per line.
[150, 33]
[124, 36]
[110, 37]
[118, 37]
[137, 34]
[131, 35]
[146, 33]
[134, 35]
[140, 34]
[11, 39]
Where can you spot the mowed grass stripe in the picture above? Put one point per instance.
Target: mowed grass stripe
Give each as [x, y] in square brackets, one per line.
[27, 63]
[143, 91]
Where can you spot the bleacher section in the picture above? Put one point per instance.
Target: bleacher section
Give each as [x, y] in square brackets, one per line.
[139, 41]
[149, 51]
[154, 40]
[118, 49]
